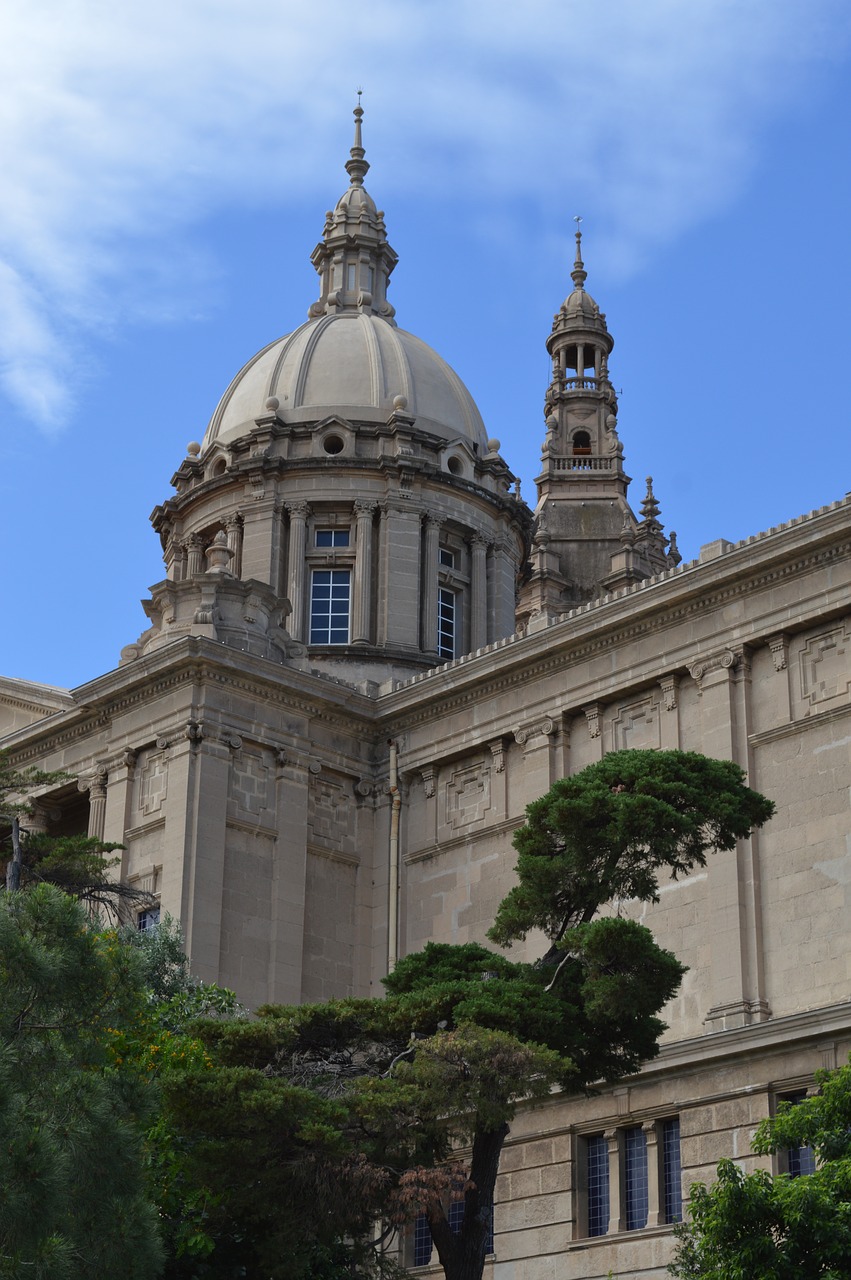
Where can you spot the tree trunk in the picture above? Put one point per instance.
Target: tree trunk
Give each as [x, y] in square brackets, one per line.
[13, 866]
[462, 1256]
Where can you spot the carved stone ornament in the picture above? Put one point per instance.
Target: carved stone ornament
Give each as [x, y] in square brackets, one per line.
[427, 775]
[497, 747]
[363, 787]
[779, 646]
[162, 744]
[592, 715]
[193, 731]
[670, 688]
[314, 766]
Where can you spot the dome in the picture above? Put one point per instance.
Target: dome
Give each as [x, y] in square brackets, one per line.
[352, 363]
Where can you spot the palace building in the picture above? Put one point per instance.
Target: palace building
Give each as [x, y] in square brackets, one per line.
[360, 618]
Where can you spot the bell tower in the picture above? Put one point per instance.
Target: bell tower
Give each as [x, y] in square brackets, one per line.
[587, 539]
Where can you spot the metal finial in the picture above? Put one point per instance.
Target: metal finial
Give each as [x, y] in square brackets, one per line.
[578, 275]
[357, 167]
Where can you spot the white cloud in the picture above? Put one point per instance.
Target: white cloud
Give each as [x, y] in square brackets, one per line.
[122, 125]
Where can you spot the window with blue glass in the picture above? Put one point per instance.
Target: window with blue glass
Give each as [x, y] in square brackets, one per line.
[332, 537]
[672, 1171]
[330, 600]
[635, 1177]
[455, 1217]
[597, 1162]
[640, 1179]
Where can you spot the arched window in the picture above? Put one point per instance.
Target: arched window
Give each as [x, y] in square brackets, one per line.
[581, 443]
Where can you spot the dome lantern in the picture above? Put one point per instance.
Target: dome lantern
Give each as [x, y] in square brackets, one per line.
[354, 260]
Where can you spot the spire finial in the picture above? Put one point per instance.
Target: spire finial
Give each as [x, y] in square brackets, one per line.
[357, 167]
[578, 275]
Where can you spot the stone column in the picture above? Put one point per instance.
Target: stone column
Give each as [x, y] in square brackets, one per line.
[96, 787]
[655, 1208]
[478, 594]
[362, 595]
[431, 567]
[298, 513]
[617, 1216]
[233, 527]
[195, 556]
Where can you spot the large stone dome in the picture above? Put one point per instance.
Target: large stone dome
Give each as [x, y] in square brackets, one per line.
[351, 363]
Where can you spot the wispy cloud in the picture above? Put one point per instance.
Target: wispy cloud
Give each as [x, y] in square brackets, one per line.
[121, 126]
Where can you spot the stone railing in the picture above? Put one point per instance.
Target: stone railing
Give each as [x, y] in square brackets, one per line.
[582, 461]
[581, 384]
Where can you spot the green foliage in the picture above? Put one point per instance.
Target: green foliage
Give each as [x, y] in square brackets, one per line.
[608, 831]
[779, 1228]
[16, 784]
[368, 1099]
[72, 1197]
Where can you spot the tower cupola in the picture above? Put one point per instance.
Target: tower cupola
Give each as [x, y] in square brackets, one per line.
[580, 343]
[587, 540]
[354, 259]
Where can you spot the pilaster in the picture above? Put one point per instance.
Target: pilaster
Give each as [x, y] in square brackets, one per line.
[288, 879]
[478, 594]
[362, 598]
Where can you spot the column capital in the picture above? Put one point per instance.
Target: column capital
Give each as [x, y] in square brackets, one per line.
[95, 783]
[297, 510]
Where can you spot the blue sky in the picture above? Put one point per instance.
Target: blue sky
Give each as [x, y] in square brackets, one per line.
[166, 169]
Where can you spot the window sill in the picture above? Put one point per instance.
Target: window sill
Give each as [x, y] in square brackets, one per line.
[618, 1237]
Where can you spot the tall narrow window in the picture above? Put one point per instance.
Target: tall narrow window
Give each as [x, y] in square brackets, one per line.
[446, 623]
[672, 1171]
[330, 600]
[597, 1154]
[635, 1177]
[422, 1242]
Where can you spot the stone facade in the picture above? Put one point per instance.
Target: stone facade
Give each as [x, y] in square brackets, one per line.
[241, 750]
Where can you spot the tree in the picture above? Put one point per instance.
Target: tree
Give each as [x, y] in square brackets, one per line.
[79, 865]
[72, 1195]
[607, 832]
[779, 1228]
[464, 1035]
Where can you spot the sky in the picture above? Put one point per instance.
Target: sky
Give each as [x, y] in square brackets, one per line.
[165, 173]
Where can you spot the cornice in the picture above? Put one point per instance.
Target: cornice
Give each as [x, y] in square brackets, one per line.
[662, 602]
[202, 663]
